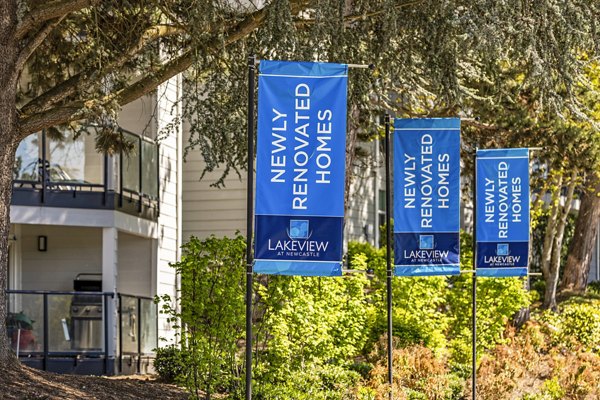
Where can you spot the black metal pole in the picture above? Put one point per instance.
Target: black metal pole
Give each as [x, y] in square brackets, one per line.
[46, 329]
[105, 309]
[121, 172]
[105, 179]
[139, 335]
[474, 288]
[157, 180]
[249, 216]
[43, 170]
[120, 299]
[140, 182]
[388, 201]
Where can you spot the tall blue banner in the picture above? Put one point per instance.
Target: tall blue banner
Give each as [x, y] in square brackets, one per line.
[300, 168]
[502, 212]
[426, 196]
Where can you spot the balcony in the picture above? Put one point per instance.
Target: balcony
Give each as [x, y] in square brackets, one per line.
[68, 172]
[69, 332]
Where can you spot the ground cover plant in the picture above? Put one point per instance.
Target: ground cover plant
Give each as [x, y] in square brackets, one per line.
[320, 338]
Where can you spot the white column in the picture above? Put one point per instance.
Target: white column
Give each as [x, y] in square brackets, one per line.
[110, 238]
[169, 221]
[14, 250]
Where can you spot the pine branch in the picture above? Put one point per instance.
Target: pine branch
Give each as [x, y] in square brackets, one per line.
[46, 12]
[363, 16]
[35, 42]
[30, 123]
[70, 86]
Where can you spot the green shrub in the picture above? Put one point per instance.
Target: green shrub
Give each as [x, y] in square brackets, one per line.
[210, 317]
[313, 382]
[310, 331]
[539, 287]
[594, 288]
[169, 363]
[420, 315]
[418, 304]
[498, 299]
[577, 324]
[553, 389]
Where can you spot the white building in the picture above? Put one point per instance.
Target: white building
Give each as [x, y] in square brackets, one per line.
[110, 224]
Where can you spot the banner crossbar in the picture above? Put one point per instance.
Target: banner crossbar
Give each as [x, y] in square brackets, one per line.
[360, 66]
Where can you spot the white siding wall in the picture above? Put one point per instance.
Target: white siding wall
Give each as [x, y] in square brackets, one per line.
[169, 235]
[137, 116]
[71, 250]
[135, 265]
[361, 219]
[208, 210]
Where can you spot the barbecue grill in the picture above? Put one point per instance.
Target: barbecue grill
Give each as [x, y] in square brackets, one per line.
[86, 313]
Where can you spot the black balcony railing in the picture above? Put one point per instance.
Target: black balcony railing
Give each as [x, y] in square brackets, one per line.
[69, 173]
[68, 332]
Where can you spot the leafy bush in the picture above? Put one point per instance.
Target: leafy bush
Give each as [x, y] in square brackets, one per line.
[210, 317]
[578, 324]
[529, 362]
[312, 334]
[498, 299]
[313, 382]
[169, 363]
[593, 288]
[417, 303]
[309, 331]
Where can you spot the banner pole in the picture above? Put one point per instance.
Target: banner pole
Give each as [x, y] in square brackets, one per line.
[388, 197]
[249, 215]
[474, 288]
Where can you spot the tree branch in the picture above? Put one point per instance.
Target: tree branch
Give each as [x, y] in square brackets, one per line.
[60, 115]
[479, 125]
[359, 17]
[46, 12]
[183, 62]
[35, 41]
[52, 117]
[70, 86]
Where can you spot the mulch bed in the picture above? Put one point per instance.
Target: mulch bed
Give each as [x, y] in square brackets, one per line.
[26, 383]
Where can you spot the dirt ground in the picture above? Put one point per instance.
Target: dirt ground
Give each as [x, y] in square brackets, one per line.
[32, 384]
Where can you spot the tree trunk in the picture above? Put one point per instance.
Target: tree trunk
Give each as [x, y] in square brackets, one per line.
[552, 278]
[551, 229]
[8, 142]
[577, 269]
[351, 139]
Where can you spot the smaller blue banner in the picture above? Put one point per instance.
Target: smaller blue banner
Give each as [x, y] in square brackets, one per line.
[426, 196]
[502, 197]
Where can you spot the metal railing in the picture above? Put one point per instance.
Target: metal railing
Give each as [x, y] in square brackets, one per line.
[136, 338]
[47, 183]
[59, 330]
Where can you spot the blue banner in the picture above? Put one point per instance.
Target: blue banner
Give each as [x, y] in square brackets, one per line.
[502, 212]
[300, 168]
[426, 197]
